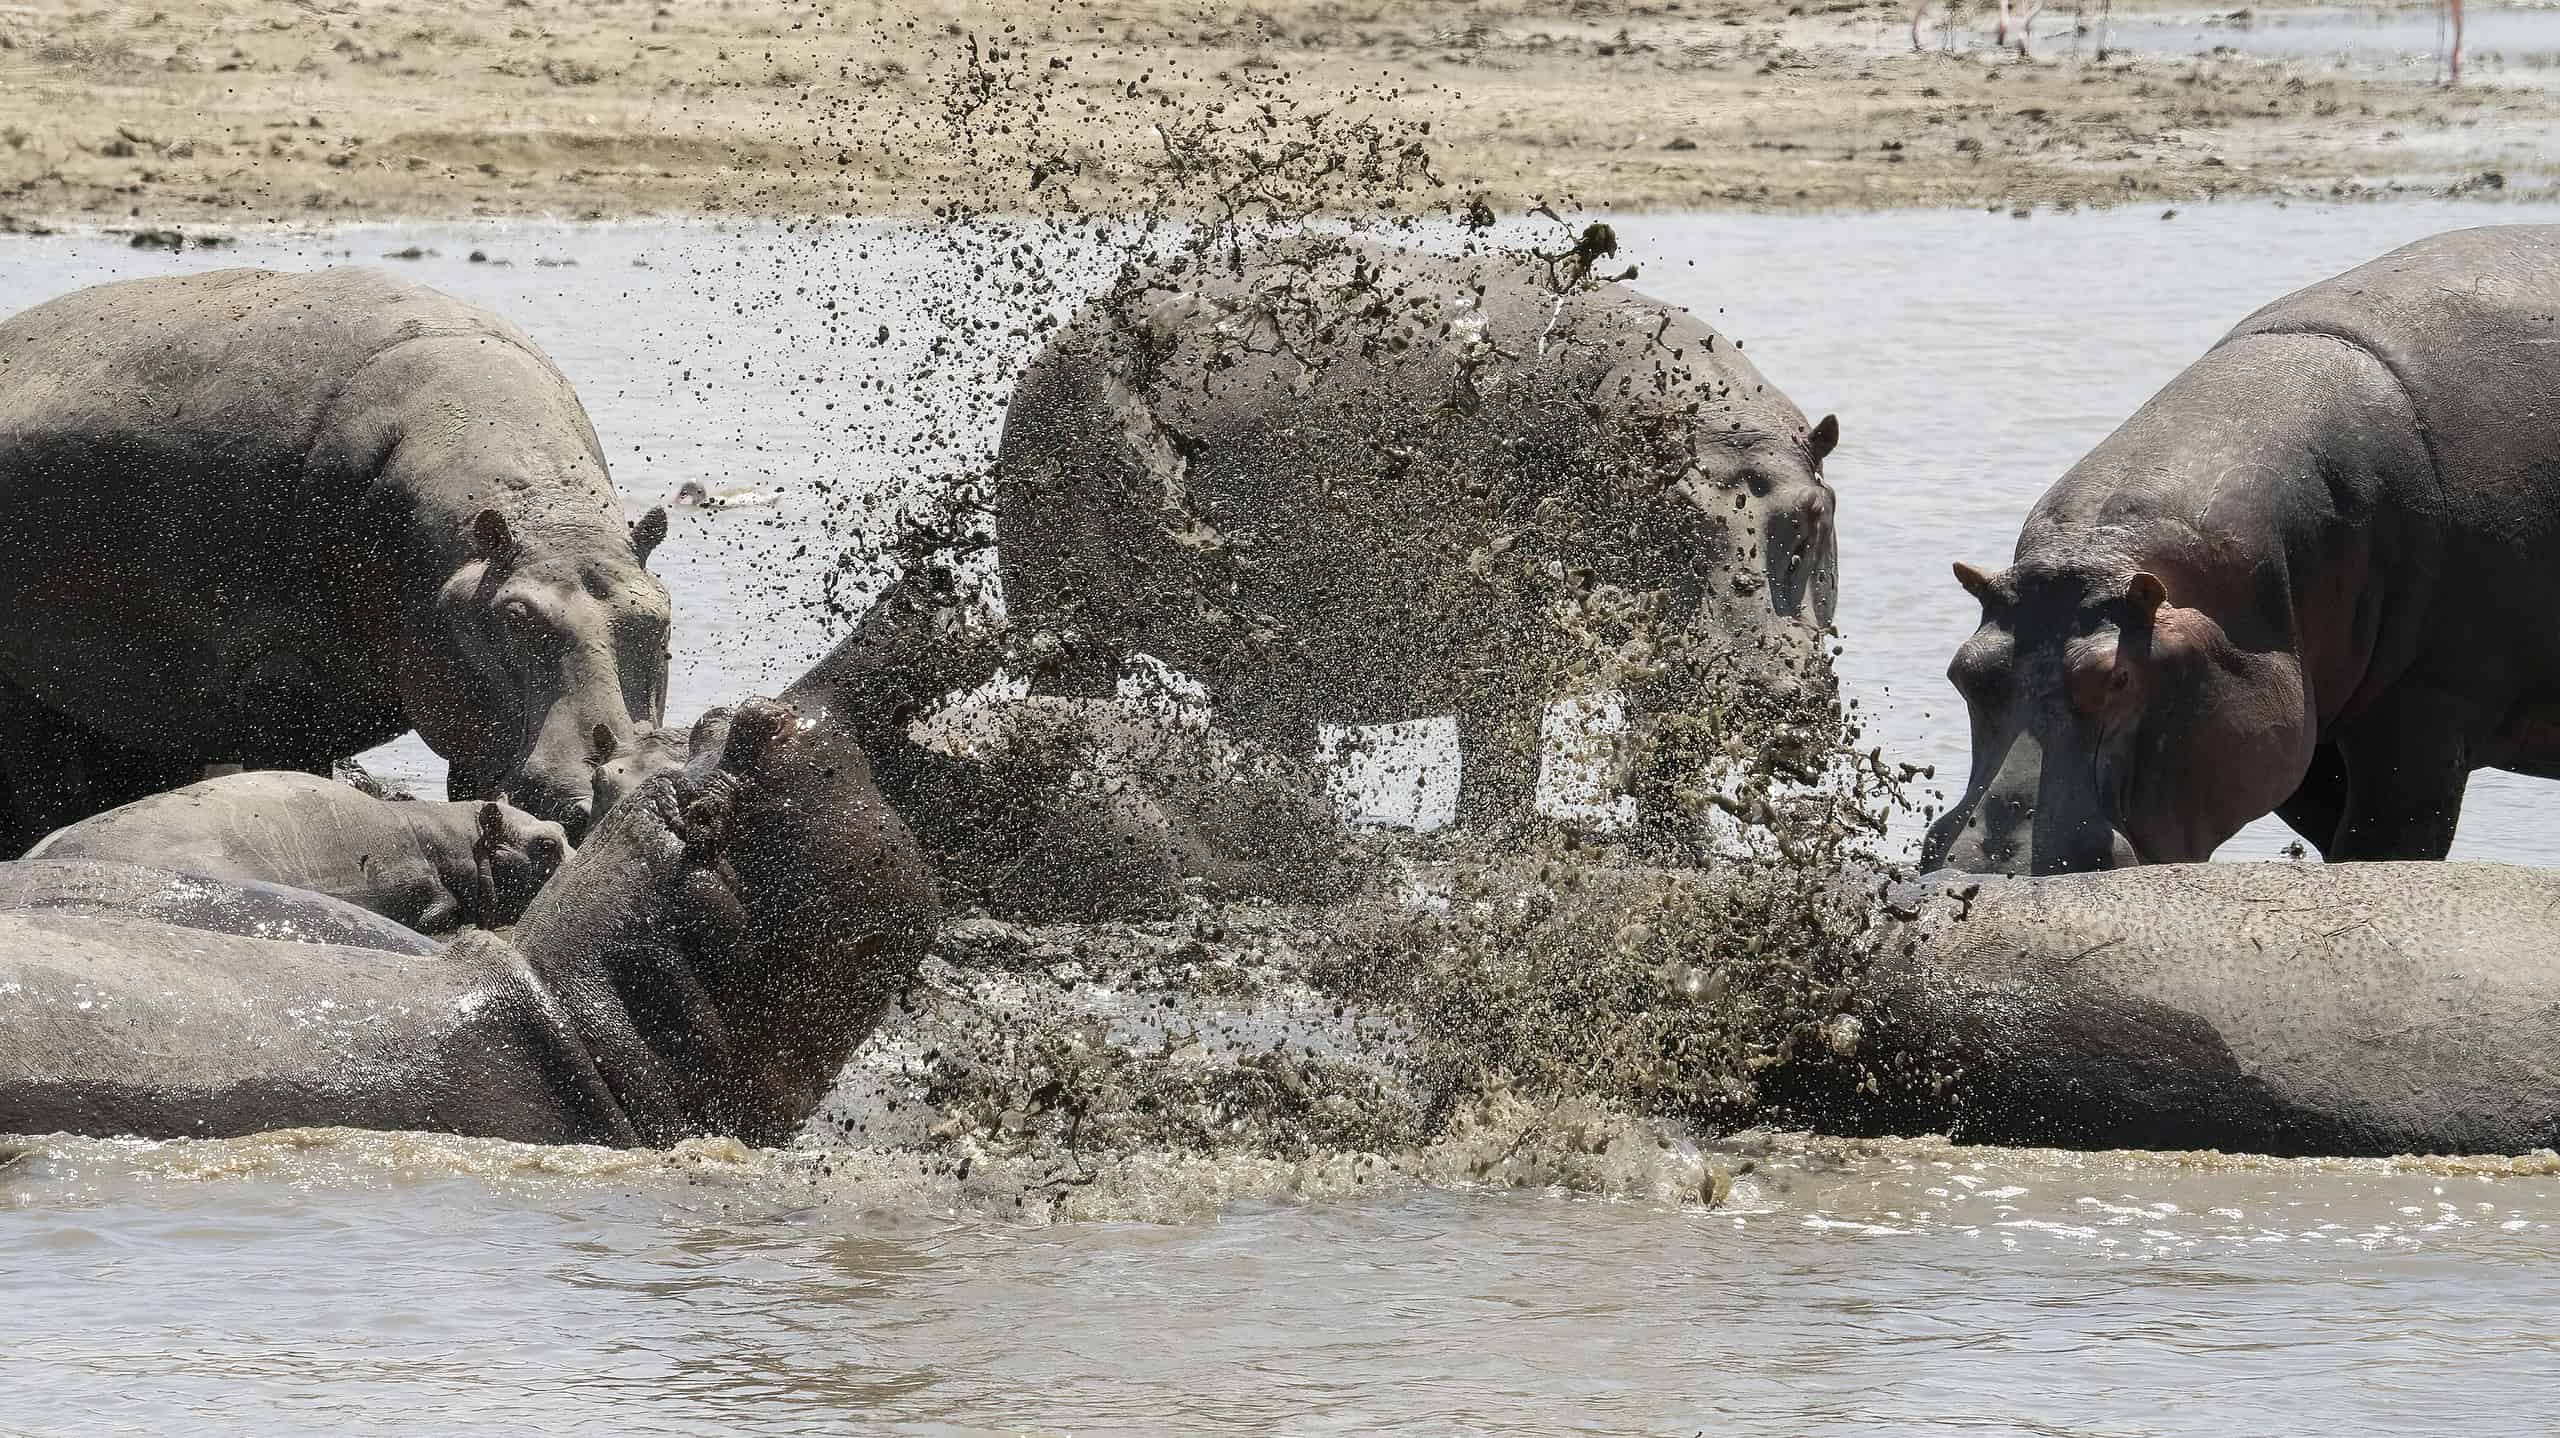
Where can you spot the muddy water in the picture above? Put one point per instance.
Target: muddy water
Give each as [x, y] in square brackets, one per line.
[1518, 1278]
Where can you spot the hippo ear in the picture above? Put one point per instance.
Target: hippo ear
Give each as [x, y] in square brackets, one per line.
[1825, 437]
[710, 732]
[2146, 594]
[489, 530]
[646, 534]
[1976, 583]
[602, 745]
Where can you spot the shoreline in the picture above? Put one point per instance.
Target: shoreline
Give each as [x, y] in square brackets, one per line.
[223, 233]
[628, 109]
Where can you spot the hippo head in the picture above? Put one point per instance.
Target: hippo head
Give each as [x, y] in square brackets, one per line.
[1744, 533]
[1772, 485]
[537, 647]
[622, 765]
[2112, 726]
[515, 854]
[753, 912]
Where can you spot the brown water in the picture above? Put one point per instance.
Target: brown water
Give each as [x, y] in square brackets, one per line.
[1531, 1275]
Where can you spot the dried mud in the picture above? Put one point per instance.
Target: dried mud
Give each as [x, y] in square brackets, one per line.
[247, 112]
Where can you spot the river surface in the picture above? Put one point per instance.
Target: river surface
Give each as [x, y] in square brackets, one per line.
[360, 1283]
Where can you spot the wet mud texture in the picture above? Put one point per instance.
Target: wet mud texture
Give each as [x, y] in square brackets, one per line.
[1577, 1006]
[1056, 812]
[165, 116]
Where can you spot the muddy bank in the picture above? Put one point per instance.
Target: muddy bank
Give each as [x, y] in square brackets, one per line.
[376, 108]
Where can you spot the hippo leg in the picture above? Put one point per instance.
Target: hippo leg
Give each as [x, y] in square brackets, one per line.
[290, 706]
[2319, 802]
[2407, 765]
[55, 770]
[1498, 753]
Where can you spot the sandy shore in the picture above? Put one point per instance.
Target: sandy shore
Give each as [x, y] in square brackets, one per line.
[237, 112]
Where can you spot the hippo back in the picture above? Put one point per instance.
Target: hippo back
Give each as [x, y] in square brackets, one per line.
[2285, 1008]
[118, 1025]
[187, 901]
[2468, 323]
[1348, 465]
[222, 339]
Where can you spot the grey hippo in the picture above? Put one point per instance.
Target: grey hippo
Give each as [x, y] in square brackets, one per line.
[102, 888]
[2307, 578]
[2352, 1009]
[432, 867]
[270, 519]
[705, 965]
[653, 749]
[1340, 482]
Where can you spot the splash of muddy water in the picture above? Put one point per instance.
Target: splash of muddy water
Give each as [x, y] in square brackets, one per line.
[1479, 1003]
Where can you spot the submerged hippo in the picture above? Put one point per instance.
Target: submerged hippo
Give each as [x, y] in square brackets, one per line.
[104, 889]
[2266, 1008]
[270, 519]
[2296, 581]
[431, 867]
[1352, 484]
[704, 965]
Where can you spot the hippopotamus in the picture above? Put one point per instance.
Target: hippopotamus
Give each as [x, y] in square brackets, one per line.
[250, 909]
[269, 519]
[1340, 482]
[2278, 587]
[705, 964]
[432, 867]
[1053, 810]
[621, 768]
[2352, 1009]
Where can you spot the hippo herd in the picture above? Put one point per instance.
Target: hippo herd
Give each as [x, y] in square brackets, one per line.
[262, 521]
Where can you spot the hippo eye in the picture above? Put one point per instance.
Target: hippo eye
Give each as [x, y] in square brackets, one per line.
[1759, 485]
[523, 622]
[544, 851]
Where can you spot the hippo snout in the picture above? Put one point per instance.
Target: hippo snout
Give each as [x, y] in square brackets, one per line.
[1998, 834]
[570, 802]
[1797, 548]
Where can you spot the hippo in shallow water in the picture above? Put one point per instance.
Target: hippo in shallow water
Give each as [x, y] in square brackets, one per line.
[653, 749]
[2301, 580]
[2266, 1008]
[104, 889]
[1345, 483]
[270, 519]
[705, 965]
[431, 867]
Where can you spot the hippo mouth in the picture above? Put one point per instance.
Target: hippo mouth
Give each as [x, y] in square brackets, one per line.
[696, 931]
